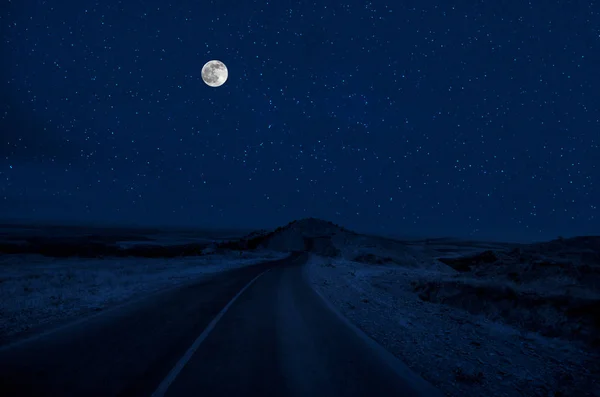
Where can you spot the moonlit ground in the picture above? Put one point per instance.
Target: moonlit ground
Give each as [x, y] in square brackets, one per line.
[460, 353]
[37, 291]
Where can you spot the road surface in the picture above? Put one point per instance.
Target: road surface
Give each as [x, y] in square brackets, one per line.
[256, 331]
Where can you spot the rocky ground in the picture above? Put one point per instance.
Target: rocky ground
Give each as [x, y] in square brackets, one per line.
[38, 291]
[505, 321]
[473, 318]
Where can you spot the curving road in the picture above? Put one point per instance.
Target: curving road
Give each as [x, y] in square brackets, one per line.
[256, 331]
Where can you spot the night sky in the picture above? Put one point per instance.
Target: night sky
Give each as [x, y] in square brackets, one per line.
[478, 119]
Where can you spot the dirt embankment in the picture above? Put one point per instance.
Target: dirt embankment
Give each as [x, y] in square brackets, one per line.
[550, 288]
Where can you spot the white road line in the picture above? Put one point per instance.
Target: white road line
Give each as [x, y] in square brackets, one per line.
[164, 385]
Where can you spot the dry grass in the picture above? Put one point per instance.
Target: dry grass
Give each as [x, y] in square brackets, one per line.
[552, 313]
[507, 322]
[35, 290]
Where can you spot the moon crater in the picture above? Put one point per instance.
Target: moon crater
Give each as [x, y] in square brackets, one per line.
[214, 73]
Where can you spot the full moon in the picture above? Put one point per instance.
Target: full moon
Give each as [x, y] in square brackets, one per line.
[214, 73]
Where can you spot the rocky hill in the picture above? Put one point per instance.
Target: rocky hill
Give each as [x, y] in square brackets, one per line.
[309, 234]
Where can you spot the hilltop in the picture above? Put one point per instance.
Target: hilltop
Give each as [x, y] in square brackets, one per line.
[308, 234]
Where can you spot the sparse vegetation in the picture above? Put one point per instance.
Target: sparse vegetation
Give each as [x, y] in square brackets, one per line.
[373, 259]
[38, 291]
[506, 319]
[504, 311]
[551, 313]
[552, 288]
[82, 248]
[462, 376]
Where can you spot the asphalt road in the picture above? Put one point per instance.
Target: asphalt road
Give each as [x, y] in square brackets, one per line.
[276, 338]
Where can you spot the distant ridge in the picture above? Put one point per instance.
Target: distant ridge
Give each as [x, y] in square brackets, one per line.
[307, 234]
